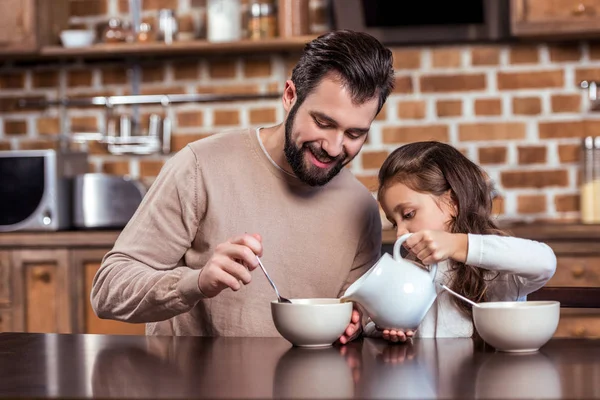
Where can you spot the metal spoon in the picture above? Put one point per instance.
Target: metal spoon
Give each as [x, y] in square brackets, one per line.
[459, 296]
[279, 297]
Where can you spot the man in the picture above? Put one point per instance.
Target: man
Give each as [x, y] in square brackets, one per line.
[185, 262]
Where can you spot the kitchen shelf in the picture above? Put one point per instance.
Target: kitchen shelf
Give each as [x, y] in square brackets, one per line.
[195, 47]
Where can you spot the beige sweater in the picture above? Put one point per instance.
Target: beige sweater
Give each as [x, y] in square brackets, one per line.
[316, 240]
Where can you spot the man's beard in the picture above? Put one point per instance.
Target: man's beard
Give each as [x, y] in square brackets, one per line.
[311, 175]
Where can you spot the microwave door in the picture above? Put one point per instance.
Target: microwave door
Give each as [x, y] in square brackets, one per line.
[22, 187]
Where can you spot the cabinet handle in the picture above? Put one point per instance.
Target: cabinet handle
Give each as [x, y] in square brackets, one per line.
[43, 276]
[581, 10]
[577, 271]
[579, 331]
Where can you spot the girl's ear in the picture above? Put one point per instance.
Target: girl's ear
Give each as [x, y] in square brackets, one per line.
[450, 201]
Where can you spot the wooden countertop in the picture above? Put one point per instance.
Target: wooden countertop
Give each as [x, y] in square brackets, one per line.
[71, 239]
[111, 366]
[543, 231]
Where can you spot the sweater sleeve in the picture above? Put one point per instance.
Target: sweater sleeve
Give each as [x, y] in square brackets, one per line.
[142, 278]
[530, 263]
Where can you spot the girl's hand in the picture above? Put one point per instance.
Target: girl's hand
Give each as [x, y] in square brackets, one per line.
[395, 336]
[434, 246]
[354, 328]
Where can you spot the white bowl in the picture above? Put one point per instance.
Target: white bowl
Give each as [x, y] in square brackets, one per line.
[517, 326]
[311, 322]
[77, 37]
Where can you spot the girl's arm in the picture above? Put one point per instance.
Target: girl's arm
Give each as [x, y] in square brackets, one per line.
[532, 263]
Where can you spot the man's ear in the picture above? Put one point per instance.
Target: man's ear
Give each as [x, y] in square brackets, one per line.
[289, 96]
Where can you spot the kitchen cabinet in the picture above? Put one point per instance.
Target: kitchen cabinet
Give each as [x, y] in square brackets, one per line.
[27, 25]
[85, 263]
[46, 280]
[561, 19]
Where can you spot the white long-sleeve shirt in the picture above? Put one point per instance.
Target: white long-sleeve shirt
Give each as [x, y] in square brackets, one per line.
[523, 266]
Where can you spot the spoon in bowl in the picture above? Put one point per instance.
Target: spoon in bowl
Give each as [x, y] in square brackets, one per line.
[459, 296]
[279, 297]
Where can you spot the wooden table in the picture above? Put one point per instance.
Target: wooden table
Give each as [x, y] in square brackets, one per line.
[109, 366]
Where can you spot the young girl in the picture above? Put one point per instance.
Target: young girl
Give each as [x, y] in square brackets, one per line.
[436, 193]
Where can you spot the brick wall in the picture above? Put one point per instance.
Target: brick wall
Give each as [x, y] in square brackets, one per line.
[515, 110]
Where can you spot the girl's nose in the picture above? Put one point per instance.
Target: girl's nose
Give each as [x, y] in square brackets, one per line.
[400, 230]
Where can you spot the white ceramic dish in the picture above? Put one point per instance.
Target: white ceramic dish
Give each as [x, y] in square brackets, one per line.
[311, 322]
[517, 326]
[77, 38]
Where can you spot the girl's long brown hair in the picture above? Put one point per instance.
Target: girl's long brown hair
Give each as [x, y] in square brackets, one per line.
[436, 168]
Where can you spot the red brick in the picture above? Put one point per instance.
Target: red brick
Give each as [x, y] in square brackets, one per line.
[531, 204]
[524, 54]
[263, 115]
[569, 153]
[566, 202]
[193, 118]
[493, 155]
[226, 117]
[565, 52]
[373, 159]
[485, 55]
[527, 106]
[446, 57]
[453, 83]
[221, 69]
[534, 179]
[257, 68]
[150, 168]
[408, 134]
[564, 103]
[568, 129]
[369, 181]
[488, 107]
[403, 84]
[530, 80]
[407, 58]
[491, 131]
[411, 109]
[449, 108]
[532, 154]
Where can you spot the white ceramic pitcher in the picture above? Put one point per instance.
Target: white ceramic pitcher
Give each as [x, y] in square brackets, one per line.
[396, 293]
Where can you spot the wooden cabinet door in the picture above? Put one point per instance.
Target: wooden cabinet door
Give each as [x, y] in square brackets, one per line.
[555, 18]
[42, 291]
[85, 264]
[5, 273]
[17, 31]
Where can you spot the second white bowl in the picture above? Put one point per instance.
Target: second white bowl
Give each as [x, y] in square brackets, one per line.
[517, 326]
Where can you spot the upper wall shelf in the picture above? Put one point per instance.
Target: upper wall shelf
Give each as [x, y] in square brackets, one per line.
[177, 48]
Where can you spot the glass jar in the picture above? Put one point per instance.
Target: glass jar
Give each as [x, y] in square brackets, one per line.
[262, 21]
[224, 19]
[114, 32]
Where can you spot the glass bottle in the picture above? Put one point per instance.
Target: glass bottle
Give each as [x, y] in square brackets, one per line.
[587, 181]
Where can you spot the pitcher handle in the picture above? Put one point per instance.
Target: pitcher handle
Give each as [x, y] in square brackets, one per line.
[398, 244]
[398, 256]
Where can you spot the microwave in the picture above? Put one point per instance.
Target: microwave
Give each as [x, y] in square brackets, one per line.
[395, 22]
[36, 187]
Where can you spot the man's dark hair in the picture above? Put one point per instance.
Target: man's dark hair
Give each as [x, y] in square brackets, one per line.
[362, 63]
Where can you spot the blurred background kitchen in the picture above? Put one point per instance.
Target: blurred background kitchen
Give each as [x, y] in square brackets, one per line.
[115, 87]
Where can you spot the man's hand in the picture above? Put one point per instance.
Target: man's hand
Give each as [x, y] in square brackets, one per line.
[231, 263]
[354, 328]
